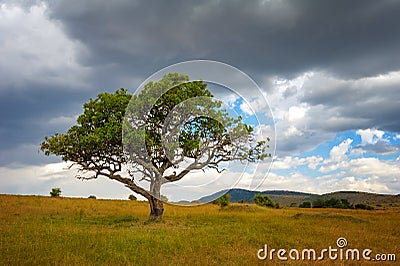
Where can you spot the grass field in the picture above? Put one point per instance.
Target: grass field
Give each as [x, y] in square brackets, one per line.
[67, 231]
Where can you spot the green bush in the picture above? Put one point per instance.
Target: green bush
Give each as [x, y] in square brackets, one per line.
[55, 192]
[164, 198]
[332, 203]
[132, 197]
[223, 201]
[263, 200]
[92, 197]
[318, 203]
[362, 206]
[305, 204]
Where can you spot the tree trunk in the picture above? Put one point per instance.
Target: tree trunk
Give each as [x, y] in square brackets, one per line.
[156, 209]
[156, 205]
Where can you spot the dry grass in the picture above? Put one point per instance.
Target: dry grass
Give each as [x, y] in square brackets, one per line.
[65, 231]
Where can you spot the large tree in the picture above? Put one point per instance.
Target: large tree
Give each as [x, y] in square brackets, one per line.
[160, 135]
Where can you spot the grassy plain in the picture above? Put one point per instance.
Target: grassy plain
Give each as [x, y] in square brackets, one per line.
[68, 231]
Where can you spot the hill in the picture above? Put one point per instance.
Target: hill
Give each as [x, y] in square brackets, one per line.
[294, 198]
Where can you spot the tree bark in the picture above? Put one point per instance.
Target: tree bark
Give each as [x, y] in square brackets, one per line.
[156, 209]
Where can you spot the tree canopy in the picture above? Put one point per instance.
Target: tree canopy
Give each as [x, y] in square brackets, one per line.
[173, 126]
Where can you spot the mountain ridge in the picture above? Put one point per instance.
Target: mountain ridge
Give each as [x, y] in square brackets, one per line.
[294, 198]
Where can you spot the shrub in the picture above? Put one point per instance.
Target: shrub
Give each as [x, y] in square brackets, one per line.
[332, 203]
[264, 200]
[362, 206]
[305, 204]
[164, 198]
[92, 197]
[55, 192]
[223, 201]
[132, 197]
[318, 203]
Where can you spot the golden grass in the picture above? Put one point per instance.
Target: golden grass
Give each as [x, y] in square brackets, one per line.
[67, 231]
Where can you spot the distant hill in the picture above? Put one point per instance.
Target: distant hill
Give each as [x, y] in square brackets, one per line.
[293, 198]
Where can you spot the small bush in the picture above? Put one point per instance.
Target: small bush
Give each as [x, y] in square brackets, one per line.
[362, 206]
[55, 192]
[164, 198]
[132, 197]
[305, 204]
[318, 203]
[264, 200]
[223, 201]
[332, 203]
[92, 197]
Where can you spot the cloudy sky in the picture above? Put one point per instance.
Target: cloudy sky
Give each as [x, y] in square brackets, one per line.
[329, 69]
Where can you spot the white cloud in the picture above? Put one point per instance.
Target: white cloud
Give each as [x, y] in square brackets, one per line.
[297, 113]
[292, 131]
[39, 180]
[338, 153]
[35, 50]
[63, 120]
[263, 131]
[370, 136]
[338, 157]
[254, 105]
[373, 166]
[296, 181]
[289, 162]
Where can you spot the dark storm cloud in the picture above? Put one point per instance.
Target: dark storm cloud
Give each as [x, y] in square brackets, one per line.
[126, 41]
[349, 38]
[380, 147]
[25, 117]
[352, 104]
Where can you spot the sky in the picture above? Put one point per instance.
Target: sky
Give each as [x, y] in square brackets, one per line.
[330, 71]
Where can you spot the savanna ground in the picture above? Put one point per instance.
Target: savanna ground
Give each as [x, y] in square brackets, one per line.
[68, 231]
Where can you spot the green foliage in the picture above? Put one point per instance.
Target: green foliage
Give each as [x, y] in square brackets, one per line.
[132, 197]
[165, 126]
[264, 200]
[55, 192]
[362, 206]
[305, 204]
[223, 201]
[95, 142]
[183, 112]
[164, 198]
[318, 203]
[92, 197]
[332, 203]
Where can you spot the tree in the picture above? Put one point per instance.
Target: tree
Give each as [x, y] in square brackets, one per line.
[264, 200]
[163, 198]
[319, 203]
[132, 197]
[55, 192]
[223, 201]
[152, 133]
